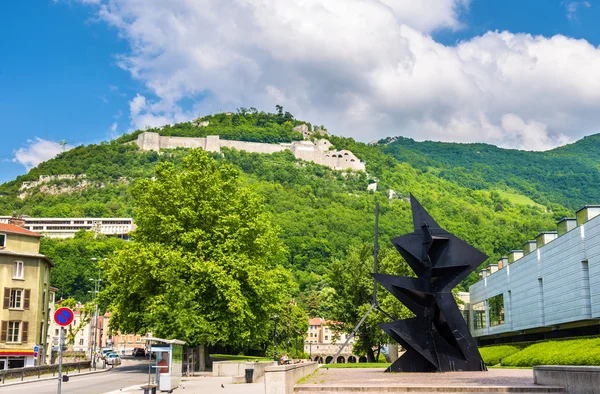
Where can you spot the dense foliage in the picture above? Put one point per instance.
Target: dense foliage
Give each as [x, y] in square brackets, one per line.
[204, 264]
[493, 355]
[568, 175]
[243, 125]
[77, 262]
[584, 351]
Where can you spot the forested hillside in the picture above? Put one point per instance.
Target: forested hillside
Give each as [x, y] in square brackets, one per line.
[567, 175]
[323, 213]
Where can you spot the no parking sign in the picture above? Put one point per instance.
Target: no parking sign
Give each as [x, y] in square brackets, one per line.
[63, 316]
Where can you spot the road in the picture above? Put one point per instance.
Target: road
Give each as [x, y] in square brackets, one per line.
[132, 372]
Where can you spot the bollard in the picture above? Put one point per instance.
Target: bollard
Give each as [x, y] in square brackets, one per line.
[22, 374]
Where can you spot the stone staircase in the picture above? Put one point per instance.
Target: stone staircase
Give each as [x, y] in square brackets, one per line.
[422, 389]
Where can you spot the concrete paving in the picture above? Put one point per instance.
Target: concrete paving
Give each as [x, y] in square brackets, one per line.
[341, 380]
[204, 385]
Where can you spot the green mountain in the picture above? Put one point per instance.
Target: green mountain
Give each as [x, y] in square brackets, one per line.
[493, 198]
[567, 175]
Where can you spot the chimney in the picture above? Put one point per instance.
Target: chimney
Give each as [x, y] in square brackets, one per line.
[545, 237]
[514, 255]
[529, 246]
[491, 268]
[502, 262]
[17, 221]
[565, 225]
[588, 212]
[482, 274]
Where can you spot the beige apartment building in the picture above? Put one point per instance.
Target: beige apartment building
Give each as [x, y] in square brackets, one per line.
[24, 286]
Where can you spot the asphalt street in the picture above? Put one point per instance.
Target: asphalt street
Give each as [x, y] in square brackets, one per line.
[132, 372]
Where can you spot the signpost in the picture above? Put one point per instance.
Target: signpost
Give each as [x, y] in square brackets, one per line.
[63, 317]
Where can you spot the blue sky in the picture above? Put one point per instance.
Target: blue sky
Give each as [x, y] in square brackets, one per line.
[86, 71]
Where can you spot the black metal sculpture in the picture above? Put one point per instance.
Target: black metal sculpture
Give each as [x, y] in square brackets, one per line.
[437, 339]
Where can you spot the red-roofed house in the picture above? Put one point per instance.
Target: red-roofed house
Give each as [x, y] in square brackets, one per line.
[24, 288]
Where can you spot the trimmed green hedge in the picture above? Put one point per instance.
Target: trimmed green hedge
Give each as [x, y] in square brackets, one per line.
[494, 355]
[562, 352]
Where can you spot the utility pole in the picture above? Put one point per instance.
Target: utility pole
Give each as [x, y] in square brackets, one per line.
[275, 337]
[94, 323]
[61, 343]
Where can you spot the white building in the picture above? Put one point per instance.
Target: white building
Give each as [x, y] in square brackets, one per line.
[67, 227]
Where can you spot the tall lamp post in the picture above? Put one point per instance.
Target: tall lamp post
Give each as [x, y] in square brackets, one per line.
[275, 316]
[94, 325]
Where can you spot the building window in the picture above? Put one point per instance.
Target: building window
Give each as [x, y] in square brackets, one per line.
[14, 328]
[16, 362]
[479, 315]
[496, 308]
[18, 270]
[2, 241]
[81, 341]
[16, 299]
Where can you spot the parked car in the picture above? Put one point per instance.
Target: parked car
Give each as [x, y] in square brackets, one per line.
[138, 352]
[113, 359]
[105, 352]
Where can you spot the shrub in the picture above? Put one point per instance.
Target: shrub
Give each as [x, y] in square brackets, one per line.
[493, 355]
[567, 352]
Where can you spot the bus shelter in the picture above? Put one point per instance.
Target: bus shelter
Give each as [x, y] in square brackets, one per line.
[169, 358]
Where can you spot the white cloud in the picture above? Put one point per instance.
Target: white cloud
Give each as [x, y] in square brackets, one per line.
[572, 7]
[145, 114]
[112, 131]
[36, 151]
[364, 68]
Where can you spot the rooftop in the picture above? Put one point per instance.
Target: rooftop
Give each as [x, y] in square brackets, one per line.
[13, 229]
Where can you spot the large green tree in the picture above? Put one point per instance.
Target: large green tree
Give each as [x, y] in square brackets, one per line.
[204, 263]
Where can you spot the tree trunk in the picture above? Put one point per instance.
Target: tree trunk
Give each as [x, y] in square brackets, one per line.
[370, 355]
[204, 358]
[393, 356]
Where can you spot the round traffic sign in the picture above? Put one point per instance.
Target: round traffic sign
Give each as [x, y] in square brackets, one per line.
[63, 316]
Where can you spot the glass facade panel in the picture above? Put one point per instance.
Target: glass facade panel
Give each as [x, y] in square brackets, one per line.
[496, 308]
[479, 316]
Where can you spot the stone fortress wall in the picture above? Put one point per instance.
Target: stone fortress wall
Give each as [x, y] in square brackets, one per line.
[307, 150]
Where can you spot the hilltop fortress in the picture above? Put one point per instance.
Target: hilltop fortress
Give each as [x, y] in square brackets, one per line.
[318, 152]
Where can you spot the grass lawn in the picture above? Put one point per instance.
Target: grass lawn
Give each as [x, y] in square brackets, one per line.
[517, 198]
[357, 365]
[231, 357]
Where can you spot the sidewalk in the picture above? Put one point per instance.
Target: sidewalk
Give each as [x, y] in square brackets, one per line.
[204, 385]
[45, 377]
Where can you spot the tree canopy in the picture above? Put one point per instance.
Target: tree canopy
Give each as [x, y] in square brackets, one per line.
[204, 265]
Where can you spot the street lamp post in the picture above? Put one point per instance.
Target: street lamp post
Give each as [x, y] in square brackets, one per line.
[94, 325]
[275, 337]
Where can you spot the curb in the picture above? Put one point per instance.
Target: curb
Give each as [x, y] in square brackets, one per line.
[52, 378]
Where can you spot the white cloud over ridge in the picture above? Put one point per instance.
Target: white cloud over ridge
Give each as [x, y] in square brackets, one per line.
[364, 68]
[36, 151]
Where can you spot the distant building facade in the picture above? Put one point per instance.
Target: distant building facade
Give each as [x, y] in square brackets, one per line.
[323, 341]
[319, 152]
[549, 289]
[67, 227]
[25, 287]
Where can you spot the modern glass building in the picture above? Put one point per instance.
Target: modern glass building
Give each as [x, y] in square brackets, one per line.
[549, 289]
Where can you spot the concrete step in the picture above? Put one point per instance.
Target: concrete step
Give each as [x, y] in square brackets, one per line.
[380, 389]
